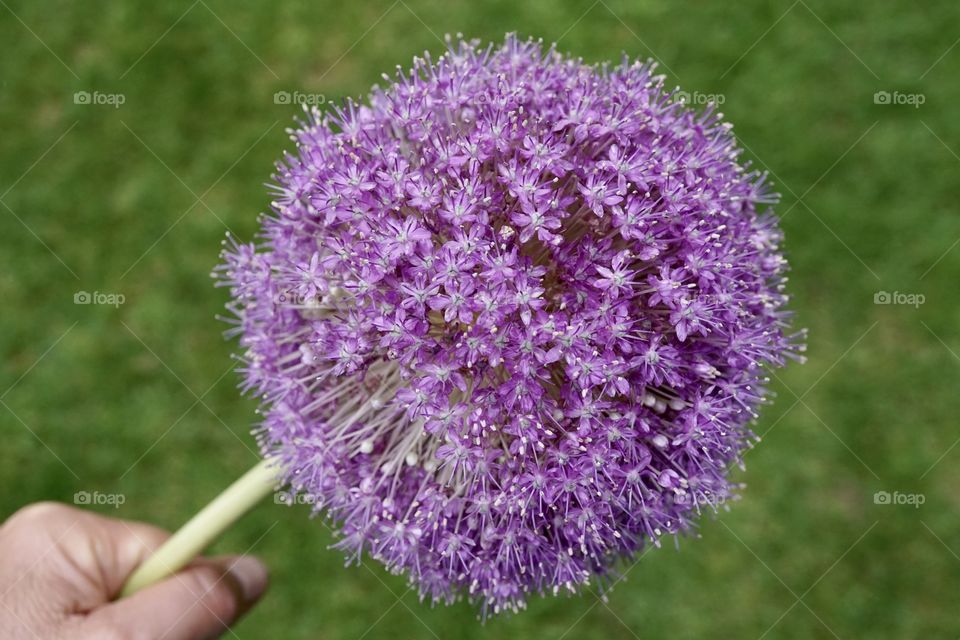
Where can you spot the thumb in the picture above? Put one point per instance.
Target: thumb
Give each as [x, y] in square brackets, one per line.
[199, 602]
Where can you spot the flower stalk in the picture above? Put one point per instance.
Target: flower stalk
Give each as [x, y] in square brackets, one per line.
[201, 530]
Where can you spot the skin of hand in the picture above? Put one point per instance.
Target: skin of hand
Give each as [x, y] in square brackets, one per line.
[62, 567]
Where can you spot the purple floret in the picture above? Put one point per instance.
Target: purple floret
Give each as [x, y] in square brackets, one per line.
[510, 318]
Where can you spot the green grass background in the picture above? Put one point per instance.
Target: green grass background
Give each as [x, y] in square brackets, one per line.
[138, 399]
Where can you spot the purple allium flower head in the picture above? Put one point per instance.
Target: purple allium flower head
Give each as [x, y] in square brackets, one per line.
[509, 318]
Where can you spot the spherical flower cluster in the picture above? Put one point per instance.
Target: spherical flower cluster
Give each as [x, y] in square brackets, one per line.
[509, 319]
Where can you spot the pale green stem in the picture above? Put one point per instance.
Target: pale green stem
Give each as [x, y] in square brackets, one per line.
[197, 534]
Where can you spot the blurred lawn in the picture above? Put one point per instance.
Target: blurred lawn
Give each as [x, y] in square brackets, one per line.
[139, 399]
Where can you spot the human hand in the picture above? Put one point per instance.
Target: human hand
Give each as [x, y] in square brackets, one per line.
[61, 568]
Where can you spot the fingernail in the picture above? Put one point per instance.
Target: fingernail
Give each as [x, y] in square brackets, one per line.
[251, 575]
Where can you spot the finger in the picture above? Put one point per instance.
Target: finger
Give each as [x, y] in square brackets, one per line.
[130, 543]
[199, 602]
